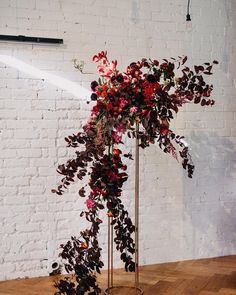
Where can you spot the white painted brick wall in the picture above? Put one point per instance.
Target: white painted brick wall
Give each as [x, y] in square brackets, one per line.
[180, 218]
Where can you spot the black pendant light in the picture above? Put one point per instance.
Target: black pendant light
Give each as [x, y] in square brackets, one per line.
[188, 17]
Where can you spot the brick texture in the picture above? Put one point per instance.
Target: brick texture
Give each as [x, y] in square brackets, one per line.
[180, 218]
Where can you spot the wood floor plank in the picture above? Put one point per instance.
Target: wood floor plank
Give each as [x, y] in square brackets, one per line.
[215, 276]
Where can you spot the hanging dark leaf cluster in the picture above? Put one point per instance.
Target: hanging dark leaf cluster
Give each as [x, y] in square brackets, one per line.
[149, 93]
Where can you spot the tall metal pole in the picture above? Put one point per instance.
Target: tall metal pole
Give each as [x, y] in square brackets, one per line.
[111, 237]
[136, 205]
[110, 248]
[109, 255]
[112, 241]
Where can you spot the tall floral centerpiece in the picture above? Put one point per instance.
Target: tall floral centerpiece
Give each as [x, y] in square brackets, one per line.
[148, 93]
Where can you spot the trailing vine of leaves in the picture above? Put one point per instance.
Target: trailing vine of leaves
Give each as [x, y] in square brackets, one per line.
[150, 93]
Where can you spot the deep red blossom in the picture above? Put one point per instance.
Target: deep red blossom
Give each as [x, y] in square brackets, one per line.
[121, 128]
[113, 176]
[123, 102]
[116, 137]
[164, 131]
[90, 203]
[117, 152]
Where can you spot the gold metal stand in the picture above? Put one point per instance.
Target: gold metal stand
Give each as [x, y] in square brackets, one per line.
[110, 284]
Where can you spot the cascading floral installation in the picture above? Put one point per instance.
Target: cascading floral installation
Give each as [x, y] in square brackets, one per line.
[147, 93]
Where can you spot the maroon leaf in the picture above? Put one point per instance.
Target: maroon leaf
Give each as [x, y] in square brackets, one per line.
[203, 102]
[197, 99]
[82, 192]
[184, 60]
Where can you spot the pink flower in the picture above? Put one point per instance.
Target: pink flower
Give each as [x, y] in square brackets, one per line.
[117, 138]
[90, 203]
[95, 111]
[133, 109]
[123, 102]
[121, 128]
[105, 68]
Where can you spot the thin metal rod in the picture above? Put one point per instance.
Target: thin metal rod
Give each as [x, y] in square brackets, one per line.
[112, 268]
[110, 245]
[111, 231]
[136, 204]
[109, 253]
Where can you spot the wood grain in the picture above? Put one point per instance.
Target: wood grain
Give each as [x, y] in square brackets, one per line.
[216, 276]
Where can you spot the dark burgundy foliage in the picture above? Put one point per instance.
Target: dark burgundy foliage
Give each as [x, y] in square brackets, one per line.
[94, 96]
[148, 93]
[94, 84]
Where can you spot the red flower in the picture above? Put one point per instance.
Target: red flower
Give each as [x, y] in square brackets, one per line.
[148, 92]
[84, 245]
[90, 203]
[104, 94]
[164, 131]
[112, 91]
[109, 214]
[121, 128]
[134, 110]
[117, 152]
[116, 137]
[105, 68]
[95, 111]
[123, 102]
[104, 87]
[109, 106]
[113, 176]
[124, 167]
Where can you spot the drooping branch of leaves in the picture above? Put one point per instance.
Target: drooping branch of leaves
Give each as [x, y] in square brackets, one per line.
[149, 93]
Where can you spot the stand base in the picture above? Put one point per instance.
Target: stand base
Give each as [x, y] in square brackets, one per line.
[109, 291]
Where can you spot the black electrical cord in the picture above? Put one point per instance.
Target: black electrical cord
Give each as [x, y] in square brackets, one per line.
[188, 17]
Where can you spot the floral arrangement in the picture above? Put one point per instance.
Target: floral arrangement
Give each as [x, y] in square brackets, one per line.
[148, 93]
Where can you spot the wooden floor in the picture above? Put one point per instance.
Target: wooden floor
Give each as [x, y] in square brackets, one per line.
[203, 277]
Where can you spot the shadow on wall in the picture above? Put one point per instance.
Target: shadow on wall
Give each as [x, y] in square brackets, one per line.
[212, 209]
